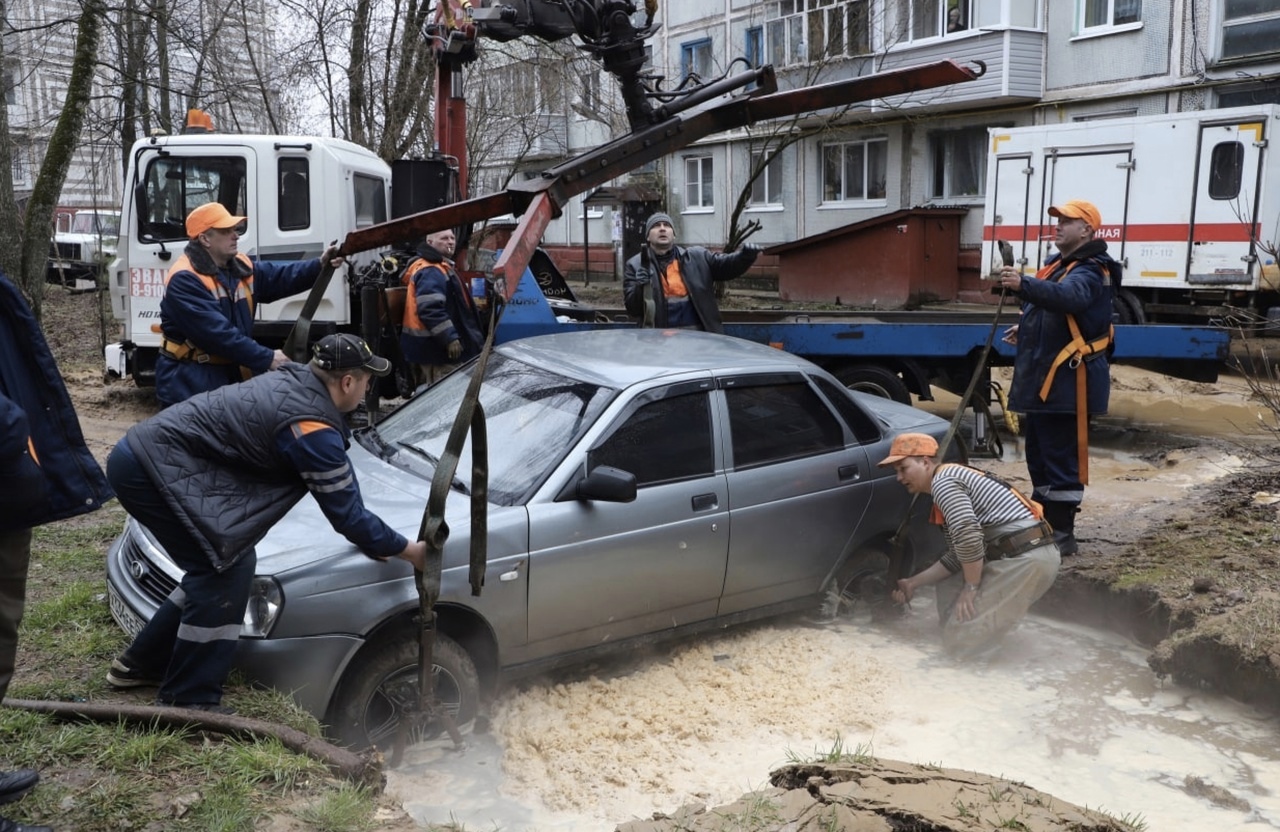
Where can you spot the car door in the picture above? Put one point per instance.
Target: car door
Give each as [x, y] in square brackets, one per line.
[799, 485]
[603, 571]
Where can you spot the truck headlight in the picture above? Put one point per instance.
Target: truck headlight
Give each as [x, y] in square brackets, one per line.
[265, 602]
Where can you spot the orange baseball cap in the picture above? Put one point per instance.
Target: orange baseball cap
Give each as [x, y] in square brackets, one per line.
[1080, 210]
[210, 215]
[910, 444]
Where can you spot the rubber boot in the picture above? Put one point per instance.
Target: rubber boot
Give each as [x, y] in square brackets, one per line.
[1062, 516]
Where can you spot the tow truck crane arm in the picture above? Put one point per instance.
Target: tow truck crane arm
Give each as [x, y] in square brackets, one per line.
[538, 201]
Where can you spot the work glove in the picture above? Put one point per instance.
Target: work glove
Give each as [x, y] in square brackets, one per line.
[753, 249]
[455, 350]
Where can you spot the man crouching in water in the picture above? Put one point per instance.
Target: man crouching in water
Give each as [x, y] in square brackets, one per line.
[1000, 556]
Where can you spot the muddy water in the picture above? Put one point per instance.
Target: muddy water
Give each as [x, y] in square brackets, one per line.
[1071, 711]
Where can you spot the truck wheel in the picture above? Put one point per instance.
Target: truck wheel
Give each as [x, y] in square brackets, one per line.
[381, 686]
[874, 379]
[1128, 308]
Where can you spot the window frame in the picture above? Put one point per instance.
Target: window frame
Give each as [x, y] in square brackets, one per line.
[787, 33]
[771, 201]
[679, 393]
[845, 198]
[706, 183]
[288, 166]
[689, 52]
[740, 432]
[978, 138]
[1084, 29]
[1227, 24]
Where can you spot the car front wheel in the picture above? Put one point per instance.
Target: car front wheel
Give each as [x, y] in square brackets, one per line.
[381, 687]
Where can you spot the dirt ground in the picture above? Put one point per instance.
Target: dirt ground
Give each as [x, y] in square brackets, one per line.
[1178, 549]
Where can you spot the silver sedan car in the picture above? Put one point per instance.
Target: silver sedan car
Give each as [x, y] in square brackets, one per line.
[642, 485]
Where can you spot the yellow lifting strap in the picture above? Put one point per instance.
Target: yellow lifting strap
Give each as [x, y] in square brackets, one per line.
[1074, 355]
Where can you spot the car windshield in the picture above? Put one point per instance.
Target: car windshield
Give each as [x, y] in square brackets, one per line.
[532, 416]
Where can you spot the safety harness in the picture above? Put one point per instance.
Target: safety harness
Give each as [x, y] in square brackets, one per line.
[1074, 355]
[187, 351]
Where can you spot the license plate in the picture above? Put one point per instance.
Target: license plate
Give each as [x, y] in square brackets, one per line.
[125, 617]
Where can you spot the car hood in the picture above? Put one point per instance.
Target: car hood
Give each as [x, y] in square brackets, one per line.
[304, 535]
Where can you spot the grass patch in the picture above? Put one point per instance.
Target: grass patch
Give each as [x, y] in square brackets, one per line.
[116, 776]
[838, 753]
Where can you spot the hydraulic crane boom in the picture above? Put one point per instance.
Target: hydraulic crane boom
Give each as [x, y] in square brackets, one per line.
[538, 201]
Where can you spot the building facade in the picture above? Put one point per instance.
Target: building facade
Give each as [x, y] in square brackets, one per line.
[208, 66]
[1045, 62]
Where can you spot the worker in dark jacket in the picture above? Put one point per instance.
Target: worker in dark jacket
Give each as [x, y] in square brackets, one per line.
[1061, 374]
[206, 314]
[441, 325]
[210, 476]
[667, 285]
[46, 473]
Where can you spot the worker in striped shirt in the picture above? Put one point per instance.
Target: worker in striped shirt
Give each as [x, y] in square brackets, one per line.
[1001, 555]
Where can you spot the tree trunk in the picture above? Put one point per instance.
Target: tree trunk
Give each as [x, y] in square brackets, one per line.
[38, 217]
[10, 216]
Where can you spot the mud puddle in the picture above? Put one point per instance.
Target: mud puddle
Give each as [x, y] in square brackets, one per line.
[1068, 710]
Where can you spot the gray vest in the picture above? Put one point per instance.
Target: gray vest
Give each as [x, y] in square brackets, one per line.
[214, 457]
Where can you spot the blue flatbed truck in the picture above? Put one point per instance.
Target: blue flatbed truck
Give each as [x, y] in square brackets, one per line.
[893, 354]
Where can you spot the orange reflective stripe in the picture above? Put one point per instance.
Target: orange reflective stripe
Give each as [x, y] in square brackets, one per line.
[244, 287]
[301, 429]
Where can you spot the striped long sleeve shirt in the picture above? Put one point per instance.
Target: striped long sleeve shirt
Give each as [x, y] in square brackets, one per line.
[969, 501]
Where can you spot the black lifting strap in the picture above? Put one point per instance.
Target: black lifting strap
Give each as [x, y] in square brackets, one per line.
[435, 532]
[898, 542]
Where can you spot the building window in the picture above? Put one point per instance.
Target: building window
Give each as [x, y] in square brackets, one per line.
[853, 171]
[10, 81]
[754, 50]
[766, 189]
[936, 18]
[1106, 14]
[698, 194]
[959, 163]
[811, 31]
[1250, 27]
[695, 59]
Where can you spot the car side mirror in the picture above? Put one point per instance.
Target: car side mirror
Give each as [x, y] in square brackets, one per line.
[608, 484]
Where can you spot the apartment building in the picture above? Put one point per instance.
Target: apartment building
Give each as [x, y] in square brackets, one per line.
[1046, 61]
[208, 67]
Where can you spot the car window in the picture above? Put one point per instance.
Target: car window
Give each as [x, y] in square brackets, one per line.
[663, 441]
[532, 417]
[863, 426]
[772, 422]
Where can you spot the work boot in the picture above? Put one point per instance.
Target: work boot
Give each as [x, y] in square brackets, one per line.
[1062, 517]
[122, 676]
[16, 784]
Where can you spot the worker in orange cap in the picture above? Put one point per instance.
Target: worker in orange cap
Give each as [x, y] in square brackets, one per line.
[206, 314]
[1061, 374]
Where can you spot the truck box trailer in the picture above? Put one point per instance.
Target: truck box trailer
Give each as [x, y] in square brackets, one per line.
[1190, 205]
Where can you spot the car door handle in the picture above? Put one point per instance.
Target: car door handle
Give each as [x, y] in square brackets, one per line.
[511, 574]
[849, 472]
[702, 502]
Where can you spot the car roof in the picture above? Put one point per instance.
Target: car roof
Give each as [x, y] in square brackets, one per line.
[622, 357]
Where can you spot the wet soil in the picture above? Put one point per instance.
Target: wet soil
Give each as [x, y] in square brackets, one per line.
[1178, 549]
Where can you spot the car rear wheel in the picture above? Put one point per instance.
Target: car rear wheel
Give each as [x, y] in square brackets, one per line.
[381, 687]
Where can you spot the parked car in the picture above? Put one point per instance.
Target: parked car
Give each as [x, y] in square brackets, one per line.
[642, 485]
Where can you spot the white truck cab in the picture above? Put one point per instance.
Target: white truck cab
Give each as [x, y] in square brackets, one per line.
[300, 194]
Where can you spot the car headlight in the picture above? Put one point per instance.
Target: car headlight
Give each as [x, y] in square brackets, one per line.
[265, 602]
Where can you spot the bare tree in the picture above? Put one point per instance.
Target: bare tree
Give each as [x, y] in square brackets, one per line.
[24, 253]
